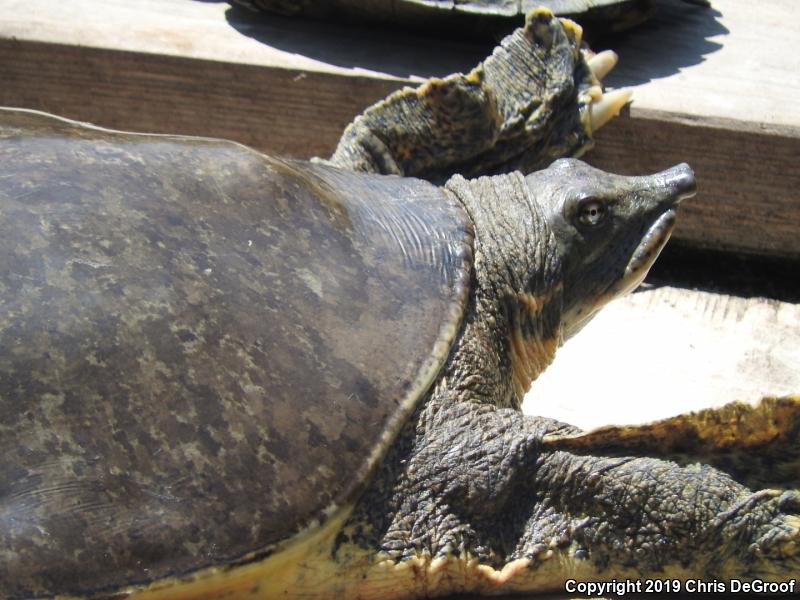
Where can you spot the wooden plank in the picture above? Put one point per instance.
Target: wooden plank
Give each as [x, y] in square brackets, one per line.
[215, 31]
[722, 96]
[281, 111]
[733, 62]
[665, 351]
[181, 66]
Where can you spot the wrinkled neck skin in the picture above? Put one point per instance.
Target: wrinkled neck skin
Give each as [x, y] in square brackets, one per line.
[512, 326]
[427, 497]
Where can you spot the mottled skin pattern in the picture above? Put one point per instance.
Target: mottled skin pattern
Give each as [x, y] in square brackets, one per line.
[520, 109]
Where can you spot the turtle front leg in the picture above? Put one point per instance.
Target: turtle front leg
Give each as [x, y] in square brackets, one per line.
[523, 107]
[471, 500]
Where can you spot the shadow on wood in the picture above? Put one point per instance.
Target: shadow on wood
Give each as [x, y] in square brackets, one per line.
[379, 49]
[677, 37]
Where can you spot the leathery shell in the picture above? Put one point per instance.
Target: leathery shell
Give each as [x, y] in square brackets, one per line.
[466, 18]
[203, 350]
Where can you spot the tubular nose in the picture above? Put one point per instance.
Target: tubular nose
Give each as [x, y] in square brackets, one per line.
[680, 181]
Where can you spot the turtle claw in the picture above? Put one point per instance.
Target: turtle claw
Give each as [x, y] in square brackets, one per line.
[601, 107]
[782, 540]
[607, 107]
[602, 63]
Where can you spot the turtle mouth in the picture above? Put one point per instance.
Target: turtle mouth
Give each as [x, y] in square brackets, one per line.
[647, 251]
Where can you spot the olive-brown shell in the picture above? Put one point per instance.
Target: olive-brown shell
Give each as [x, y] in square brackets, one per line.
[203, 350]
[467, 18]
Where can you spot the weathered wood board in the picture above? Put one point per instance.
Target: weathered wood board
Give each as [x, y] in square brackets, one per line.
[664, 351]
[716, 88]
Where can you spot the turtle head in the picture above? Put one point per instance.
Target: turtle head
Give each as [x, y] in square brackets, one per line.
[607, 229]
[552, 248]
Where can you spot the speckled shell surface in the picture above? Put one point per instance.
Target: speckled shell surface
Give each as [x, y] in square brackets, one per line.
[203, 350]
[505, 8]
[465, 17]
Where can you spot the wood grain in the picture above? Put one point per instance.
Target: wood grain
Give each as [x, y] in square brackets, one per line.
[282, 111]
[714, 88]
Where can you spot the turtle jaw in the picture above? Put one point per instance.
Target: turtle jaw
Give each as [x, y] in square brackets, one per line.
[646, 253]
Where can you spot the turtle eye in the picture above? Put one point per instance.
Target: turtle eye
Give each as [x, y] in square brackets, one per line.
[591, 212]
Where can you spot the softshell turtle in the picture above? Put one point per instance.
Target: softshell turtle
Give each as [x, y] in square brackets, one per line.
[467, 17]
[225, 375]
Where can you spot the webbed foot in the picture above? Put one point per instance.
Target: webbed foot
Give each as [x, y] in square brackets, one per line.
[536, 98]
[758, 537]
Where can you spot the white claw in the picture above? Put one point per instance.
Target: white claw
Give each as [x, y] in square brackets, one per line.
[602, 63]
[595, 93]
[608, 107]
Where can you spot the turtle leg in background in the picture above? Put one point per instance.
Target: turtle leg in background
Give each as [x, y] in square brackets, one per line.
[474, 498]
[523, 107]
[758, 445]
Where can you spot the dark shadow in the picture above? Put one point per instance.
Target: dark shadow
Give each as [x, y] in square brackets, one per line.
[358, 46]
[726, 273]
[677, 36]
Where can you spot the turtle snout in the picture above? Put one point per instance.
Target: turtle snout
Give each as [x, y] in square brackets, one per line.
[680, 182]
